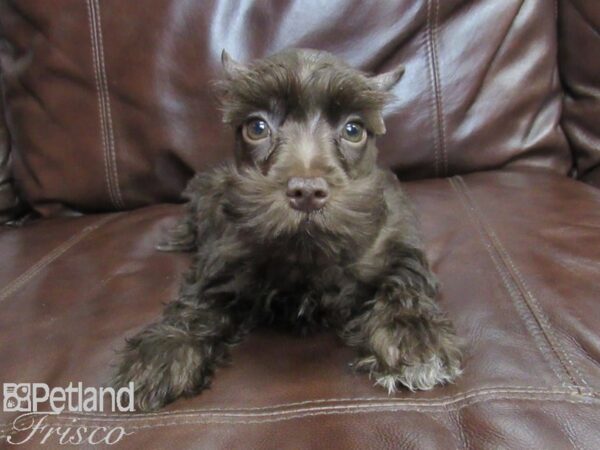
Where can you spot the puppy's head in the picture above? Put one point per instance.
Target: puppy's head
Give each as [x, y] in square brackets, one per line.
[305, 125]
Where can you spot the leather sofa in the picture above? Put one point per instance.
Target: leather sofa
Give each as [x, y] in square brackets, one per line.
[495, 132]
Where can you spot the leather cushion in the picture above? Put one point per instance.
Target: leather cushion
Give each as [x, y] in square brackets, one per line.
[516, 252]
[110, 108]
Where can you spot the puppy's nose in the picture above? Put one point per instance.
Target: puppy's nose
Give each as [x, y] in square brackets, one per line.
[307, 194]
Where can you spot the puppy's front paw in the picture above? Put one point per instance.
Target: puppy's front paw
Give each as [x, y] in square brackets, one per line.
[161, 367]
[418, 358]
[419, 376]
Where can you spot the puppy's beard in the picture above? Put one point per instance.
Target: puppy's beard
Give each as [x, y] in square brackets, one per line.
[351, 217]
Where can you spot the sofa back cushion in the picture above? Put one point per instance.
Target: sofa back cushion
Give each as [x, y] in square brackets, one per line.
[110, 107]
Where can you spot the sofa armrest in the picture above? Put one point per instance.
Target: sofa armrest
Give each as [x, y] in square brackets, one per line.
[11, 206]
[579, 47]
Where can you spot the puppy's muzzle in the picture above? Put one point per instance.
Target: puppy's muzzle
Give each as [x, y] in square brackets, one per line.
[307, 194]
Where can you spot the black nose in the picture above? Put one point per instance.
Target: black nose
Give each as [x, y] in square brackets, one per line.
[307, 194]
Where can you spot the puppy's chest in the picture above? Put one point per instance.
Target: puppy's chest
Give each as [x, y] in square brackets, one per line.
[296, 285]
[287, 271]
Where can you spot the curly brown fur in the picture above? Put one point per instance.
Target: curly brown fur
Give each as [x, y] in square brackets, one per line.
[354, 263]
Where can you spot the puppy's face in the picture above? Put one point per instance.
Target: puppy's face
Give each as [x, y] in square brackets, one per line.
[305, 128]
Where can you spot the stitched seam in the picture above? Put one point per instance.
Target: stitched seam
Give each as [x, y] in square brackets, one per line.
[325, 411]
[472, 392]
[534, 306]
[96, 63]
[314, 404]
[111, 141]
[510, 285]
[103, 105]
[542, 319]
[432, 102]
[443, 423]
[21, 280]
[438, 88]
[373, 405]
[461, 430]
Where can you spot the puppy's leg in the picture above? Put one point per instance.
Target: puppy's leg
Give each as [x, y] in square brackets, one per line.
[177, 356]
[403, 337]
[202, 219]
[182, 237]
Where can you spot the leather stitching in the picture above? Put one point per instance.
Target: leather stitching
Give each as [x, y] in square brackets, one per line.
[111, 141]
[314, 402]
[439, 90]
[437, 109]
[106, 124]
[278, 416]
[47, 259]
[95, 59]
[510, 285]
[461, 431]
[452, 417]
[429, 45]
[531, 301]
[287, 408]
[542, 319]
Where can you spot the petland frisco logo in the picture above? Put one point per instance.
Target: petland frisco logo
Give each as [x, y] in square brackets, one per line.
[31, 398]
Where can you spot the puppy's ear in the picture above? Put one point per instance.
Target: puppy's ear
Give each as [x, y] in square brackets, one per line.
[387, 80]
[231, 67]
[375, 118]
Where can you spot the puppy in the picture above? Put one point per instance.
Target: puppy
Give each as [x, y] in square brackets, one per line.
[303, 231]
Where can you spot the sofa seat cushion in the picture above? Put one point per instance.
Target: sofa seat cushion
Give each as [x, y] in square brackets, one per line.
[517, 253]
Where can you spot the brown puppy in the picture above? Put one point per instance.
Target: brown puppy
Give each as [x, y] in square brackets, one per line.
[304, 230]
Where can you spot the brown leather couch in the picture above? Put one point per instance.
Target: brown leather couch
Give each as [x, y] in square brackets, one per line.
[495, 130]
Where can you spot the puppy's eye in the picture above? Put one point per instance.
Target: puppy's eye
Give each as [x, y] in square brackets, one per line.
[256, 129]
[353, 132]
